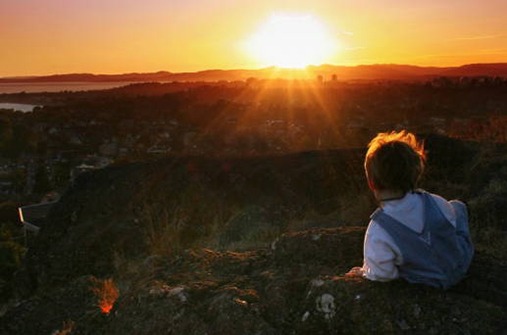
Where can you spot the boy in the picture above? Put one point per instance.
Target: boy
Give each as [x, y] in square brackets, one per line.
[413, 235]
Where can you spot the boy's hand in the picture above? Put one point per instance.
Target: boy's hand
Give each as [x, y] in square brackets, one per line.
[355, 272]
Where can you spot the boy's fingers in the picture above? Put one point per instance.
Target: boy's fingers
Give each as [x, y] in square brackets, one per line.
[355, 271]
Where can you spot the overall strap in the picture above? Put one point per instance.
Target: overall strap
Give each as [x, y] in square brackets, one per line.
[429, 255]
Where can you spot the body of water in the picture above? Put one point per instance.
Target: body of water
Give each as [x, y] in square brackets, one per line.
[18, 107]
[57, 87]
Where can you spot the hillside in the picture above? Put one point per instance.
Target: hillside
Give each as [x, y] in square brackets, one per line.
[360, 72]
[252, 245]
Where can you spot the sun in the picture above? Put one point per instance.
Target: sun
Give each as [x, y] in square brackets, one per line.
[291, 41]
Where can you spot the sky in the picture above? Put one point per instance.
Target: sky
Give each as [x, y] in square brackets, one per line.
[118, 36]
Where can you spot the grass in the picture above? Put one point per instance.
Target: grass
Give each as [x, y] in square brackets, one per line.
[194, 216]
[177, 210]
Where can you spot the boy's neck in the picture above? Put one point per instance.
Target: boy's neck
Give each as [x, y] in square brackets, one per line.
[388, 195]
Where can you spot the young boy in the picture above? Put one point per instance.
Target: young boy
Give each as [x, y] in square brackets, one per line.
[413, 235]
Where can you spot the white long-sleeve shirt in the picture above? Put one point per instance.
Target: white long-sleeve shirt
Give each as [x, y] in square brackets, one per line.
[381, 255]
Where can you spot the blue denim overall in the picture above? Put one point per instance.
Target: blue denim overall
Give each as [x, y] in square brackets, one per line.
[440, 254]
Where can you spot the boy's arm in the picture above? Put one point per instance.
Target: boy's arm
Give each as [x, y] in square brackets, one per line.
[381, 255]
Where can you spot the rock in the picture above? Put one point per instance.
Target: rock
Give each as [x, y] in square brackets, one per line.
[337, 246]
[285, 291]
[385, 308]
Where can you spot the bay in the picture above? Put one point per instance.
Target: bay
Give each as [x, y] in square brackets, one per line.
[10, 88]
[25, 108]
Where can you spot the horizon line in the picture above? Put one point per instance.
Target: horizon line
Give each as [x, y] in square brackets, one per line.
[243, 69]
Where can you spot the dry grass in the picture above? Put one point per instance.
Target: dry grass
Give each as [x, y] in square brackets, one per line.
[195, 217]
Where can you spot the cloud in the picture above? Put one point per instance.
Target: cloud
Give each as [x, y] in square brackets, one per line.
[354, 48]
[478, 37]
[347, 33]
[494, 51]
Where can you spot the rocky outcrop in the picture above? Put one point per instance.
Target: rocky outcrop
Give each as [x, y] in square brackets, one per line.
[243, 246]
[297, 287]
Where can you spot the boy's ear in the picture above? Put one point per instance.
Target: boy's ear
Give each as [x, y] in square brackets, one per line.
[371, 184]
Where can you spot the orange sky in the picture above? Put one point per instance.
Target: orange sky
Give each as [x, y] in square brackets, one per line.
[116, 36]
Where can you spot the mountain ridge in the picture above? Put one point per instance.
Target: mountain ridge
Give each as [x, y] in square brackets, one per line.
[358, 72]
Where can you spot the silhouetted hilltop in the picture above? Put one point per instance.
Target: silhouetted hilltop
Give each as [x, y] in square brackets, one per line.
[379, 71]
[89, 77]
[498, 69]
[360, 72]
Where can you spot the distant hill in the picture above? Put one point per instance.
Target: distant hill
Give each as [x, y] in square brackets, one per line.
[360, 72]
[89, 77]
[498, 69]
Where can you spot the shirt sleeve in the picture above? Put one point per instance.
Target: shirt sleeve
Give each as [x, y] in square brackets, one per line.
[446, 208]
[381, 255]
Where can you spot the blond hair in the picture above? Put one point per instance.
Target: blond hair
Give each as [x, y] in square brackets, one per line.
[394, 161]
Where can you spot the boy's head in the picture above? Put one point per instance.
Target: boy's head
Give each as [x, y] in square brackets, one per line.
[394, 161]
